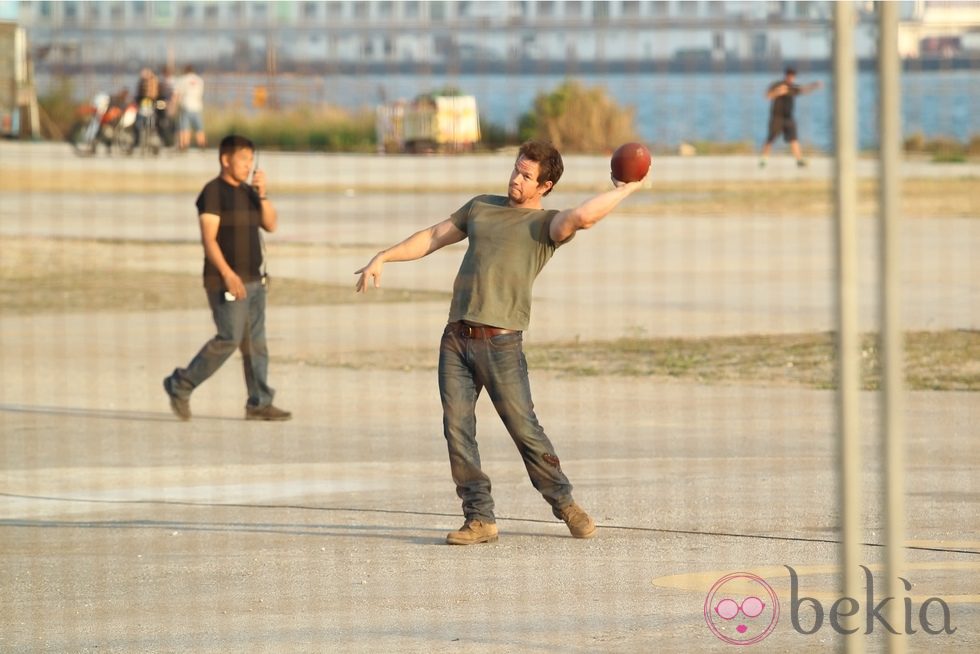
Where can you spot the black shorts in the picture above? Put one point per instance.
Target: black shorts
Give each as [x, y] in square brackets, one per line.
[784, 126]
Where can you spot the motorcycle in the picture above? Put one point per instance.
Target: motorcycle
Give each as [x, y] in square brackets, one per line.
[125, 130]
[103, 123]
[90, 129]
[147, 132]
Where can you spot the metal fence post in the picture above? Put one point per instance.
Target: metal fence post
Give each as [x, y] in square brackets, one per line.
[848, 337]
[891, 344]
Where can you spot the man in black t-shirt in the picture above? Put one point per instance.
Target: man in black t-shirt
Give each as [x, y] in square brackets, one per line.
[231, 212]
[781, 121]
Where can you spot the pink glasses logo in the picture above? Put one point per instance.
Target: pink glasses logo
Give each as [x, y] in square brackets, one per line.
[741, 609]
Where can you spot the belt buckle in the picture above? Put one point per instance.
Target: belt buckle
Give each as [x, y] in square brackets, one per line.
[469, 329]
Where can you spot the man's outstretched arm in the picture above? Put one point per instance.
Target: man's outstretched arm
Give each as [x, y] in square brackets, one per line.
[811, 87]
[587, 214]
[416, 246]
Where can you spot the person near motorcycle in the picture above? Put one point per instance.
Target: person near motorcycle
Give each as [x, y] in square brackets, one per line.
[148, 86]
[147, 91]
[120, 99]
[166, 108]
[190, 97]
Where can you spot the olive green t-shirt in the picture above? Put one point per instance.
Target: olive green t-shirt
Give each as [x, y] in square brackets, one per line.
[508, 247]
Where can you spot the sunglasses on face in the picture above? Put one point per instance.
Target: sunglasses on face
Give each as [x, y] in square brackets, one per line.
[751, 607]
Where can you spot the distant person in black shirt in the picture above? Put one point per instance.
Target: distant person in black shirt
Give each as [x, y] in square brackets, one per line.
[231, 212]
[781, 121]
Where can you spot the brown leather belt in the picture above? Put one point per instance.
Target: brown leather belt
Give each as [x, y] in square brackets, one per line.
[478, 331]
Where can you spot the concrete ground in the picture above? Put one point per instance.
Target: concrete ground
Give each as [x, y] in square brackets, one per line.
[124, 530]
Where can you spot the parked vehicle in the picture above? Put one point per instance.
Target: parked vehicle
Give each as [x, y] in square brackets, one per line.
[125, 131]
[147, 135]
[91, 129]
[104, 123]
[430, 123]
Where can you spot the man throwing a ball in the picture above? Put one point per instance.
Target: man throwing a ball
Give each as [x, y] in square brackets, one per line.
[782, 95]
[510, 240]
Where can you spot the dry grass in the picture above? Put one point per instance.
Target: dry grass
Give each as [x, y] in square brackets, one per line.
[42, 276]
[109, 290]
[77, 182]
[943, 361]
[921, 197]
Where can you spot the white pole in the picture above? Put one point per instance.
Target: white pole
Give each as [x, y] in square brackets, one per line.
[891, 347]
[848, 345]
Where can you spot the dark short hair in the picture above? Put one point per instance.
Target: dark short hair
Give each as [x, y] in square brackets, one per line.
[790, 70]
[233, 143]
[548, 159]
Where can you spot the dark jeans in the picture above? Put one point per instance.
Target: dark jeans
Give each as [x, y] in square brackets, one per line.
[466, 366]
[241, 325]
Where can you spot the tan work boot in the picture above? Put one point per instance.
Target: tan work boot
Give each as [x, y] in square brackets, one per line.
[473, 532]
[578, 521]
[268, 412]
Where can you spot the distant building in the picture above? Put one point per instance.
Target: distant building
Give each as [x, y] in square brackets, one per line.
[18, 96]
[939, 29]
[120, 35]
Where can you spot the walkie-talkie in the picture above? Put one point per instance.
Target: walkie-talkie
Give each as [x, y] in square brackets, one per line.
[262, 274]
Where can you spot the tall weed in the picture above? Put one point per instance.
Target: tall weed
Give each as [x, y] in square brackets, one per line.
[299, 129]
[576, 118]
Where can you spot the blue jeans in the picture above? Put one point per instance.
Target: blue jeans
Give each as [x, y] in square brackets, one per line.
[191, 121]
[466, 366]
[241, 325]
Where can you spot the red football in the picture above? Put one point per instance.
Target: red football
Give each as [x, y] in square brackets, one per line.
[630, 162]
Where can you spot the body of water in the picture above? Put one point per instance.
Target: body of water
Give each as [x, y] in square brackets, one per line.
[670, 108]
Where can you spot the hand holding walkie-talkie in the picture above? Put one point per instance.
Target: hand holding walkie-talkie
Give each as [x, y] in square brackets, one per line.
[258, 180]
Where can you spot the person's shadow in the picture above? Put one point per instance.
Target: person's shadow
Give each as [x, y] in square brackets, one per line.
[103, 414]
[409, 534]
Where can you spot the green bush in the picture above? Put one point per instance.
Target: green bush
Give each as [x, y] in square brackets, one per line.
[301, 129]
[494, 136]
[943, 148]
[915, 143]
[949, 157]
[579, 119]
[724, 147]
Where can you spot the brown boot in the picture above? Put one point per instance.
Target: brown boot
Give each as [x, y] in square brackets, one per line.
[268, 412]
[473, 532]
[578, 521]
[181, 406]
